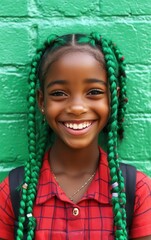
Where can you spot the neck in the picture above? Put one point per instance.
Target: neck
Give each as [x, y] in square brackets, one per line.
[65, 159]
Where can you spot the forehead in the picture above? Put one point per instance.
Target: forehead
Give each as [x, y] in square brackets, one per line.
[76, 68]
[76, 60]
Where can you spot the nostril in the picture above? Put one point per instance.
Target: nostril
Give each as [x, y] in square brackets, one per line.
[76, 109]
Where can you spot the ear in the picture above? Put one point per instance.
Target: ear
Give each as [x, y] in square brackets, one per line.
[40, 100]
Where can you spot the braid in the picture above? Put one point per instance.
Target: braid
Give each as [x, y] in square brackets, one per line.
[117, 181]
[31, 149]
[36, 148]
[115, 126]
[38, 134]
[114, 59]
[31, 192]
[122, 84]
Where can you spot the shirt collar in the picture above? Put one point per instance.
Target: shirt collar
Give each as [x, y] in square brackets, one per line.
[99, 188]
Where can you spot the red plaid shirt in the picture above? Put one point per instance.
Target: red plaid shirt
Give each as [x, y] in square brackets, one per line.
[90, 219]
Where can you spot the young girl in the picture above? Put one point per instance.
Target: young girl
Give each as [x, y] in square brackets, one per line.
[73, 189]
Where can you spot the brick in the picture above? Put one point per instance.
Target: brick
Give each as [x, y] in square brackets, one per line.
[125, 7]
[11, 8]
[68, 8]
[127, 22]
[134, 149]
[139, 89]
[135, 145]
[15, 45]
[13, 140]
[133, 38]
[14, 92]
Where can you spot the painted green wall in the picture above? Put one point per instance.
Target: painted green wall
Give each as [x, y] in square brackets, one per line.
[25, 24]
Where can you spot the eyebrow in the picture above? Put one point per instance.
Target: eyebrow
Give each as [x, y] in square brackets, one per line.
[62, 82]
[88, 80]
[95, 80]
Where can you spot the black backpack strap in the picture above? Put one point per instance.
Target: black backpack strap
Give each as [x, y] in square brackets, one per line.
[129, 174]
[16, 177]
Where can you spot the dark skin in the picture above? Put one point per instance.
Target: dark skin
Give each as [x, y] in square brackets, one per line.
[75, 91]
[80, 96]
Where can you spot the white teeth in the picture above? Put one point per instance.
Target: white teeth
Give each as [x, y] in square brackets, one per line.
[78, 126]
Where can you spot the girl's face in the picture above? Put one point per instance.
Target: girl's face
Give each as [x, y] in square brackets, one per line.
[76, 99]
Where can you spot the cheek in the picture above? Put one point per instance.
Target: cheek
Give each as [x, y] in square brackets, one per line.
[104, 110]
[52, 110]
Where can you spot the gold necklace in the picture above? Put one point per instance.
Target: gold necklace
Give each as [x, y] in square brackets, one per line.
[79, 189]
[71, 197]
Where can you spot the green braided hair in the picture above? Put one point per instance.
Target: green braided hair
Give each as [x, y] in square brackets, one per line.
[39, 132]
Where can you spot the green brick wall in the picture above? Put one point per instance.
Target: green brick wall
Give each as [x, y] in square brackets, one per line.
[25, 24]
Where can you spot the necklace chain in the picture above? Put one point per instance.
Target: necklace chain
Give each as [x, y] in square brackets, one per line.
[79, 189]
[71, 197]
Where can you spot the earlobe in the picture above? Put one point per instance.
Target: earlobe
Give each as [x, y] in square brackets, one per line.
[40, 100]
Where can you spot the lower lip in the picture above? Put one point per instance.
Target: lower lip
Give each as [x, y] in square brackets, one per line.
[78, 131]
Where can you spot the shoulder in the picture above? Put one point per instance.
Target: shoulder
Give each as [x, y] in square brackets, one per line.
[141, 225]
[142, 176]
[143, 182]
[6, 211]
[12, 181]
[4, 193]
[4, 187]
[143, 188]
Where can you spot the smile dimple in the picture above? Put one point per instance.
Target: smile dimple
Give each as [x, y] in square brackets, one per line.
[77, 126]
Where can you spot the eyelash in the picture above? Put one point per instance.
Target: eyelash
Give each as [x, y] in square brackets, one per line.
[95, 92]
[92, 92]
[58, 94]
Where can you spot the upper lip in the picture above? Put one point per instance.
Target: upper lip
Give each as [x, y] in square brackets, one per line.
[77, 121]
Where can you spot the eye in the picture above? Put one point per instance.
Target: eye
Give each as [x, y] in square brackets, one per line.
[95, 92]
[58, 93]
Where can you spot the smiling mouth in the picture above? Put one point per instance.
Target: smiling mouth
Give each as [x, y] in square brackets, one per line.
[78, 126]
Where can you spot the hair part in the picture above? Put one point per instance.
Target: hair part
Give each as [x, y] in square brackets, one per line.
[52, 55]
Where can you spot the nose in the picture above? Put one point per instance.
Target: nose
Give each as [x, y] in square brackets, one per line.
[76, 106]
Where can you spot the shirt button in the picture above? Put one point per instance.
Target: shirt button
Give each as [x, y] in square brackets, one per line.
[75, 211]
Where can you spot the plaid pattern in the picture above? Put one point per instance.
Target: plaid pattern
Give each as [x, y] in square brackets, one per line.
[54, 211]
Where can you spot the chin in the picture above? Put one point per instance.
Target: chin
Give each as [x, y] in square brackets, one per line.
[78, 144]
